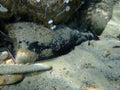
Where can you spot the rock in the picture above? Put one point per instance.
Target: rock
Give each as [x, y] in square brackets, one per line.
[3, 9]
[36, 42]
[22, 68]
[25, 56]
[3, 55]
[9, 61]
[93, 15]
[57, 10]
[13, 73]
[10, 79]
[85, 68]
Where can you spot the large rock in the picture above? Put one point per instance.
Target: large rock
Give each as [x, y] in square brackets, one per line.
[101, 14]
[34, 42]
[22, 68]
[40, 11]
[113, 27]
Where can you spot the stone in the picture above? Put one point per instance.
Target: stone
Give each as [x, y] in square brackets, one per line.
[22, 68]
[113, 27]
[43, 11]
[3, 55]
[35, 42]
[3, 9]
[10, 79]
[93, 16]
[100, 15]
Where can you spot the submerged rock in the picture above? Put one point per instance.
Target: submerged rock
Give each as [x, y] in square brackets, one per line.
[40, 11]
[3, 55]
[36, 42]
[3, 9]
[93, 15]
[101, 14]
[10, 79]
[113, 27]
[22, 68]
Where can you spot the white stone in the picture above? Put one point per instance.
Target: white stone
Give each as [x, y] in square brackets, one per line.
[66, 1]
[50, 21]
[37, 1]
[53, 27]
[67, 8]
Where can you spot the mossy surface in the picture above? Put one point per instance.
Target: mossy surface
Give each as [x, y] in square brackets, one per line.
[41, 11]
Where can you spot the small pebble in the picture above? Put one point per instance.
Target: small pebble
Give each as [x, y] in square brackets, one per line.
[3, 55]
[50, 21]
[53, 27]
[38, 1]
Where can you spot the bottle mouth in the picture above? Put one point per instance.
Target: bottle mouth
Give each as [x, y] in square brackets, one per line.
[3, 9]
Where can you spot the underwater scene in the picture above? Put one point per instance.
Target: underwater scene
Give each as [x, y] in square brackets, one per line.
[59, 44]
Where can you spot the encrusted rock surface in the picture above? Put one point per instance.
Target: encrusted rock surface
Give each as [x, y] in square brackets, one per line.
[22, 68]
[101, 13]
[10, 79]
[93, 15]
[40, 43]
[3, 55]
[40, 11]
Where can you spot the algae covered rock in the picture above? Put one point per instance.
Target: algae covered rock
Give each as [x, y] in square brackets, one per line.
[38, 42]
[101, 14]
[41, 11]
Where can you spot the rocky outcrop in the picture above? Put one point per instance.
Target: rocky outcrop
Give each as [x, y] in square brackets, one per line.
[78, 70]
[40, 11]
[93, 15]
[38, 42]
[113, 27]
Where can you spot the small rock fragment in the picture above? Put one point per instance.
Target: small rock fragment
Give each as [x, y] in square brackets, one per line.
[3, 9]
[10, 79]
[3, 55]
